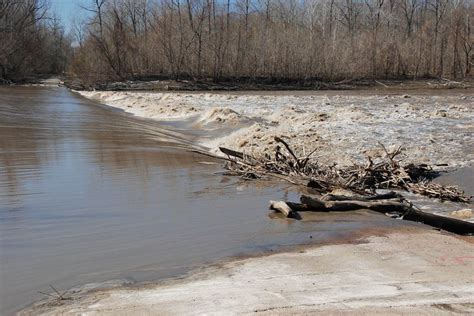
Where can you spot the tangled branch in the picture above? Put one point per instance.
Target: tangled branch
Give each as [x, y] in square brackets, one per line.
[385, 172]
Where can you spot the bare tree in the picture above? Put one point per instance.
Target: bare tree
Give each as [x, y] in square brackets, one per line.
[31, 40]
[374, 17]
[286, 39]
[409, 8]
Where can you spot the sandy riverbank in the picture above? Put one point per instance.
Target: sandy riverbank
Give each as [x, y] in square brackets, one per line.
[411, 271]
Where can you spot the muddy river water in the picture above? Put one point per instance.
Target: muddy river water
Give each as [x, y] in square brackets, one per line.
[91, 194]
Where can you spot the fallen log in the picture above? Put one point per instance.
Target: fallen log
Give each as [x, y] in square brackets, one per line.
[402, 209]
[383, 206]
[299, 207]
[285, 209]
[441, 222]
[386, 196]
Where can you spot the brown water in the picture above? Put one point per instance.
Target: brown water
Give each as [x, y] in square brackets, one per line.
[89, 194]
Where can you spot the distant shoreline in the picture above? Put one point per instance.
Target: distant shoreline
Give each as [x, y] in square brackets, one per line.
[265, 84]
[163, 84]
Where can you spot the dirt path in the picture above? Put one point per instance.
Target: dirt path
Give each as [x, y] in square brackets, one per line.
[413, 271]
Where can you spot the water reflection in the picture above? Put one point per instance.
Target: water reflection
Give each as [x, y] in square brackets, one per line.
[42, 129]
[76, 181]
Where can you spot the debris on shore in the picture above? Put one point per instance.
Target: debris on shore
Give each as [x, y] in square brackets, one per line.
[383, 172]
[359, 182]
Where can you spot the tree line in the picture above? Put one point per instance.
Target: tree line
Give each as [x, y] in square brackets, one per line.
[32, 41]
[217, 39]
[301, 39]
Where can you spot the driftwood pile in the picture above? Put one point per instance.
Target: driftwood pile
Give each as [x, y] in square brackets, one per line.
[386, 172]
[360, 182]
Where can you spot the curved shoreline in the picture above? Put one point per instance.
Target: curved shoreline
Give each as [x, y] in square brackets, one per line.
[413, 270]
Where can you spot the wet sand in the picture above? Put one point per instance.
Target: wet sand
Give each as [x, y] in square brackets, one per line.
[412, 271]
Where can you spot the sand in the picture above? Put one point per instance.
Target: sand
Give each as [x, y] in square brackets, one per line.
[415, 271]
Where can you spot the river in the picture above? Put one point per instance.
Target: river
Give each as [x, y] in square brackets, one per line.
[91, 194]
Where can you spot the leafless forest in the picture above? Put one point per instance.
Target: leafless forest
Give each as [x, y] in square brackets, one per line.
[274, 39]
[32, 41]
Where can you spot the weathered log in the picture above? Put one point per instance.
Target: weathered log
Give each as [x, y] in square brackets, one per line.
[285, 209]
[403, 210]
[384, 206]
[386, 196]
[299, 207]
[441, 222]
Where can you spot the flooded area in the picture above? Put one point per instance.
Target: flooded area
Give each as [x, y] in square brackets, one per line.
[434, 127]
[91, 194]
